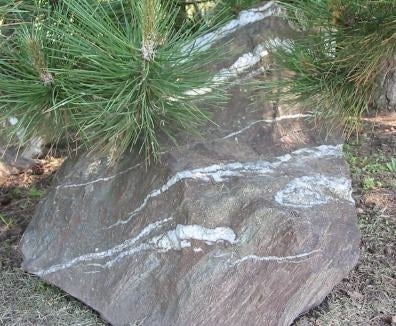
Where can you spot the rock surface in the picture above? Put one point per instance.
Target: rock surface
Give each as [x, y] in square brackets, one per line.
[386, 97]
[251, 224]
[5, 171]
[14, 160]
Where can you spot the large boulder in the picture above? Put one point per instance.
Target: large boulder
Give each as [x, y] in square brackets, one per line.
[252, 223]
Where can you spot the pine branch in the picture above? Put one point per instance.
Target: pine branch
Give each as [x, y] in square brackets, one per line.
[113, 75]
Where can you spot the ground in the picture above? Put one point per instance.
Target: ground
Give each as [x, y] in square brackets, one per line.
[366, 297]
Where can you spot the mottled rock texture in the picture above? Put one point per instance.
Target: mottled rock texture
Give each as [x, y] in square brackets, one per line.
[386, 97]
[14, 160]
[9, 162]
[250, 224]
[5, 171]
[390, 88]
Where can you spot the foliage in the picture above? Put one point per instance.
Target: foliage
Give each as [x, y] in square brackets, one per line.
[391, 166]
[15, 12]
[337, 60]
[369, 183]
[113, 75]
[373, 169]
[5, 221]
[35, 193]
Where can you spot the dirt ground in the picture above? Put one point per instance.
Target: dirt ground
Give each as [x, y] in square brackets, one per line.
[366, 297]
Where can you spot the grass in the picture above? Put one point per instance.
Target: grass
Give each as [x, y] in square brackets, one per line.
[370, 183]
[25, 300]
[391, 166]
[35, 193]
[6, 221]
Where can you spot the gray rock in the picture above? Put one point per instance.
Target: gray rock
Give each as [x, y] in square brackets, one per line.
[12, 163]
[251, 224]
[5, 171]
[391, 90]
[14, 160]
[385, 97]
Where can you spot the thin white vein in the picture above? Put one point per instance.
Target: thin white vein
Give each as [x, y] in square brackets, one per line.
[222, 172]
[175, 239]
[285, 117]
[245, 17]
[126, 253]
[104, 179]
[242, 64]
[121, 250]
[278, 259]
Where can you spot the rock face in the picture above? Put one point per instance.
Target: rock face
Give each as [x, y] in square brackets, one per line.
[251, 224]
[386, 97]
[5, 171]
[390, 90]
[15, 161]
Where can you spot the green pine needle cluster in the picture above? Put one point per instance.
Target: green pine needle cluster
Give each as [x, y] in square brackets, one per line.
[14, 12]
[113, 75]
[342, 51]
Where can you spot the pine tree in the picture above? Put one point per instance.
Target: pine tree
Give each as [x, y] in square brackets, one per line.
[112, 75]
[342, 52]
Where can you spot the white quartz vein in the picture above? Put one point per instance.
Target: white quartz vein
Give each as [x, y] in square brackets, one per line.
[223, 171]
[121, 250]
[92, 272]
[104, 179]
[175, 239]
[182, 236]
[312, 190]
[285, 117]
[278, 259]
[242, 64]
[245, 17]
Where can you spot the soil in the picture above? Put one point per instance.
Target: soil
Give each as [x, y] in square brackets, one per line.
[19, 195]
[366, 297]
